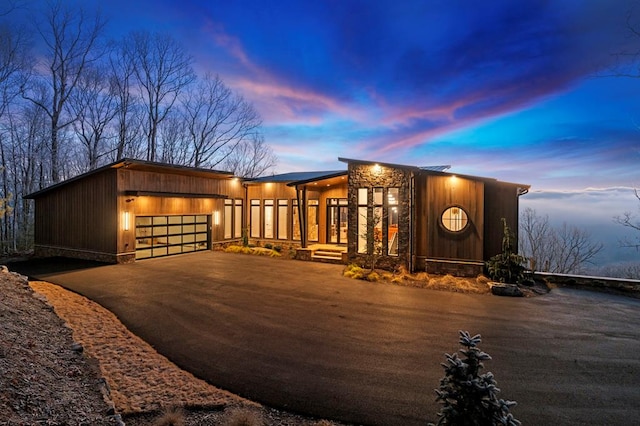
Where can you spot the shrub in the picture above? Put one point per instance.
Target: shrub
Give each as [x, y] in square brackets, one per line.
[243, 417]
[268, 246]
[354, 271]
[277, 248]
[373, 277]
[468, 397]
[506, 267]
[173, 416]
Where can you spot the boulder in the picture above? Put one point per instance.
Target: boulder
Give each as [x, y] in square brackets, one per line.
[502, 289]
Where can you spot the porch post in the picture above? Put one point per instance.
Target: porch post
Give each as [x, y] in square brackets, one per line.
[301, 195]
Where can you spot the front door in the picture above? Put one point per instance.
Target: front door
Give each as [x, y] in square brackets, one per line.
[337, 220]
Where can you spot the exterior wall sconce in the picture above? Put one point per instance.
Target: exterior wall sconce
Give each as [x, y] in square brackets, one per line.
[125, 219]
[377, 168]
[216, 218]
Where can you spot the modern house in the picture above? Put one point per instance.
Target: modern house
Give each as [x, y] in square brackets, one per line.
[419, 218]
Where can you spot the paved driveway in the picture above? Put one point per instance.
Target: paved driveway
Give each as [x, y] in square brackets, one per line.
[298, 336]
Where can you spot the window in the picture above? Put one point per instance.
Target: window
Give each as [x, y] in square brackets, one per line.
[268, 218]
[392, 221]
[228, 218]
[312, 220]
[455, 219]
[378, 222]
[237, 228]
[283, 210]
[363, 212]
[255, 218]
[337, 211]
[295, 220]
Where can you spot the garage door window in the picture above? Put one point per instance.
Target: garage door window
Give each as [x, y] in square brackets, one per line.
[167, 235]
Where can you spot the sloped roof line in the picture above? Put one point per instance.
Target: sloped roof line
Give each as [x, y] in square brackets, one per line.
[295, 177]
[127, 162]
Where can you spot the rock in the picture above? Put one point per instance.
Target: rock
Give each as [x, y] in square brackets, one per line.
[77, 347]
[501, 289]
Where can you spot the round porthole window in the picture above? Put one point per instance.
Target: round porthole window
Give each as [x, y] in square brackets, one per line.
[455, 219]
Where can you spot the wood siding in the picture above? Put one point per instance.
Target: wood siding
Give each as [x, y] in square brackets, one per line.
[434, 194]
[501, 200]
[81, 215]
[137, 180]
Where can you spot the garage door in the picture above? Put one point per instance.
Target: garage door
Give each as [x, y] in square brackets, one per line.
[167, 235]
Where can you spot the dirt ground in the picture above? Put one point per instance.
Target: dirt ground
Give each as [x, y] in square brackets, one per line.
[65, 360]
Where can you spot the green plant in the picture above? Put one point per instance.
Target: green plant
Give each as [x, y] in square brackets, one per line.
[506, 267]
[245, 237]
[469, 398]
[268, 246]
[277, 248]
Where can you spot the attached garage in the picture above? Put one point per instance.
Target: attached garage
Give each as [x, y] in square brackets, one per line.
[132, 209]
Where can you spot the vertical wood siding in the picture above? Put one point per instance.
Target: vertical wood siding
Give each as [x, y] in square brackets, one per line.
[81, 215]
[434, 194]
[501, 201]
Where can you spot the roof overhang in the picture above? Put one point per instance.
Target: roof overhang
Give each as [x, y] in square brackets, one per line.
[330, 179]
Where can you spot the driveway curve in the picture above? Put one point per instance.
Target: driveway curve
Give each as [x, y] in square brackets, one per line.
[299, 336]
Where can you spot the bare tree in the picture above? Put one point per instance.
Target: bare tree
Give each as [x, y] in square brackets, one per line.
[128, 117]
[563, 250]
[71, 40]
[163, 70]
[535, 238]
[94, 106]
[13, 61]
[217, 121]
[250, 158]
[172, 135]
[632, 222]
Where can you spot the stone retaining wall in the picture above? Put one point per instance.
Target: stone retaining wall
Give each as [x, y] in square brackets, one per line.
[611, 285]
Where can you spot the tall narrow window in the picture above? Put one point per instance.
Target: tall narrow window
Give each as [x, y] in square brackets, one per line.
[268, 218]
[255, 218]
[363, 219]
[295, 220]
[228, 218]
[283, 219]
[392, 221]
[312, 220]
[237, 228]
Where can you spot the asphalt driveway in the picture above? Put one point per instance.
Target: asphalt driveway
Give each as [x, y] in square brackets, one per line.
[299, 336]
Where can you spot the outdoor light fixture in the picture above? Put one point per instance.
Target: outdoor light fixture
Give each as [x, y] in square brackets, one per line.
[125, 218]
[216, 218]
[377, 168]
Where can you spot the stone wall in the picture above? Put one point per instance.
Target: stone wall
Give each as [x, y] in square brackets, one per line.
[370, 176]
[49, 251]
[627, 287]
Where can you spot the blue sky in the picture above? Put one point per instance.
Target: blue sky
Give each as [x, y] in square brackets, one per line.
[507, 89]
[515, 90]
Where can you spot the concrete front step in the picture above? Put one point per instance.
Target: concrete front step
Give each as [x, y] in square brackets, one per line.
[336, 254]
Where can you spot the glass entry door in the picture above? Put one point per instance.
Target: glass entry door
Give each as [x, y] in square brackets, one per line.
[337, 220]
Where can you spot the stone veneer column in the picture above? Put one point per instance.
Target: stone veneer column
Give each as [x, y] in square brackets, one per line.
[367, 176]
